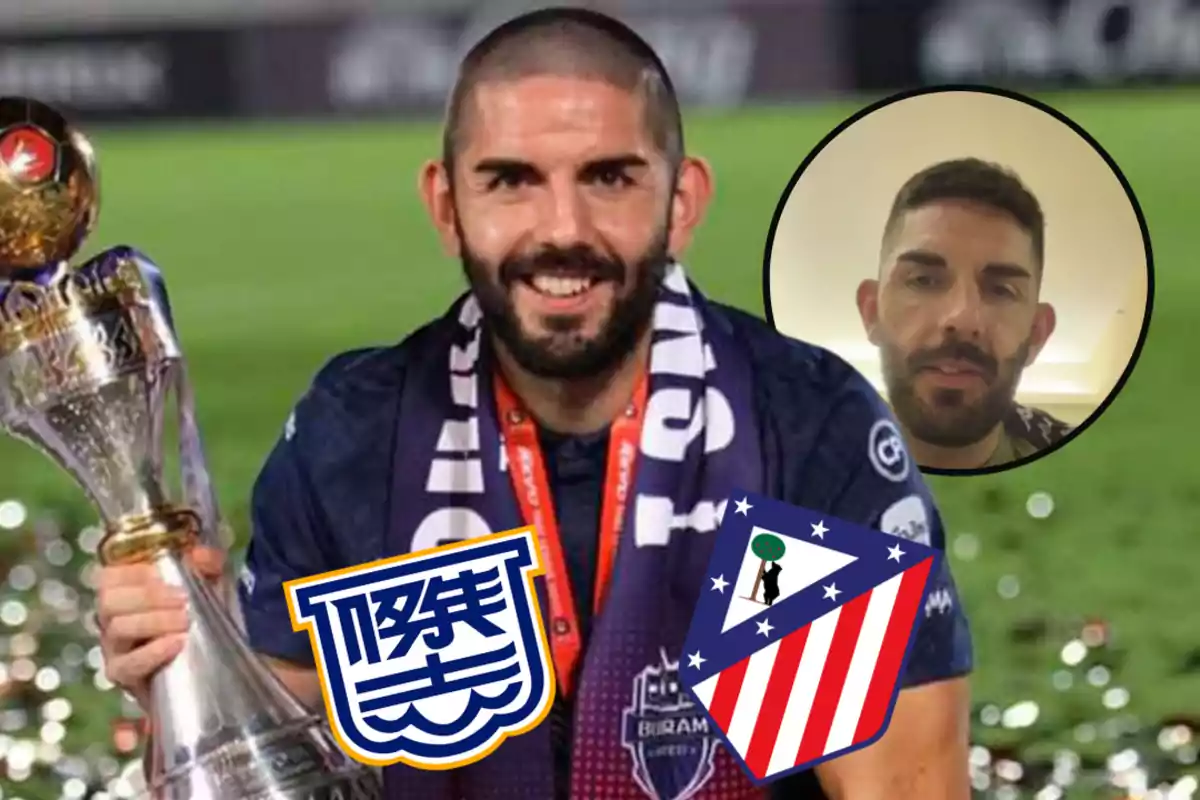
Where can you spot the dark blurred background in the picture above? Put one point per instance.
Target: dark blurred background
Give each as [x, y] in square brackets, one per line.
[264, 153]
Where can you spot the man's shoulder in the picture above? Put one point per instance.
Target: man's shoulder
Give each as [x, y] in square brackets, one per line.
[364, 374]
[797, 376]
[354, 395]
[831, 433]
[357, 372]
[1033, 430]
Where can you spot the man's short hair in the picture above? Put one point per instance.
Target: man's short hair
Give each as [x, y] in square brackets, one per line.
[569, 42]
[973, 180]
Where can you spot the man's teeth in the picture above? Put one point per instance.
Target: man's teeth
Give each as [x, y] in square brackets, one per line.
[557, 286]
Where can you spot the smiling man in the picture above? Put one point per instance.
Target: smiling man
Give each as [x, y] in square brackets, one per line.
[957, 318]
[584, 383]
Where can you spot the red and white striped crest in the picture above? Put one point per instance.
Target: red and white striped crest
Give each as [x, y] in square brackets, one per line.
[797, 648]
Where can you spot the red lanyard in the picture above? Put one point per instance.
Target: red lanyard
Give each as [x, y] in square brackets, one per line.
[527, 468]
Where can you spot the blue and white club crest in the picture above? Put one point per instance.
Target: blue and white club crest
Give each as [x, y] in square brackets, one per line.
[667, 734]
[430, 659]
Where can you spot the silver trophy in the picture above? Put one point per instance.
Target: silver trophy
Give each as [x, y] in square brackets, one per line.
[89, 365]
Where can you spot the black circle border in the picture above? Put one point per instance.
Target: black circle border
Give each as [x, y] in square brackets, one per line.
[1078, 129]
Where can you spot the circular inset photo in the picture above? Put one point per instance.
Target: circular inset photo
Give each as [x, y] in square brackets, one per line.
[979, 258]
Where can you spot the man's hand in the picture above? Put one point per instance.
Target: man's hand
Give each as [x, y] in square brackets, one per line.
[300, 680]
[922, 756]
[144, 621]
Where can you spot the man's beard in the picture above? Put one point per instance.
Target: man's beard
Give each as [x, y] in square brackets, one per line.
[950, 420]
[565, 352]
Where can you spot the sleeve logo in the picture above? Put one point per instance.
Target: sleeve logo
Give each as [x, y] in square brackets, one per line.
[885, 449]
[908, 519]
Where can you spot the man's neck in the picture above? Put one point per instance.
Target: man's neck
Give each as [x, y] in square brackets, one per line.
[972, 456]
[577, 406]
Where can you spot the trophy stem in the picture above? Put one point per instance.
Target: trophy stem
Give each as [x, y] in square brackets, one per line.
[224, 726]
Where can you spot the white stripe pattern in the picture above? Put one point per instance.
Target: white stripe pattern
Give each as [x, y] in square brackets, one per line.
[809, 677]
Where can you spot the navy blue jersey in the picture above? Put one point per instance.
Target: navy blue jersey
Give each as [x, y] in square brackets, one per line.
[322, 499]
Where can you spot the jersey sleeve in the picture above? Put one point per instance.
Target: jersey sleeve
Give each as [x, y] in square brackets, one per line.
[882, 488]
[289, 539]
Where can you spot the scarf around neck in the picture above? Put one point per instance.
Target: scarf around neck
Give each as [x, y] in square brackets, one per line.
[636, 732]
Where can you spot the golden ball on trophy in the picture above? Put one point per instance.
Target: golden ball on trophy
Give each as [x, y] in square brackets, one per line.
[49, 193]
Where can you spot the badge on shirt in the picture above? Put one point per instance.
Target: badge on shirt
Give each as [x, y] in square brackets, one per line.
[667, 734]
[801, 633]
[434, 658]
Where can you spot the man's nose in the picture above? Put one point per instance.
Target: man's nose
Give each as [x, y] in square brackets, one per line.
[566, 219]
[962, 311]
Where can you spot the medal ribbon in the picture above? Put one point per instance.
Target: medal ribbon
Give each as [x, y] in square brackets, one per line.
[527, 468]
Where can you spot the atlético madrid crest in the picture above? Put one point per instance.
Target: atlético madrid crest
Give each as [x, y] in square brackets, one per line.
[800, 634]
[430, 659]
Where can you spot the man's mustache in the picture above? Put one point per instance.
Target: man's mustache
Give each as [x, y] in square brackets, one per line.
[954, 351]
[580, 261]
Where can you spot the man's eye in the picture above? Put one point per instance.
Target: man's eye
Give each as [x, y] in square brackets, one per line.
[612, 177]
[507, 180]
[922, 281]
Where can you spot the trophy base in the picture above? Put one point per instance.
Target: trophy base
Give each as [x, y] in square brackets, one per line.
[299, 762]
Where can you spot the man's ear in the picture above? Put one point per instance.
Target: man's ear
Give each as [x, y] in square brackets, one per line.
[867, 299]
[692, 192]
[437, 194]
[1044, 322]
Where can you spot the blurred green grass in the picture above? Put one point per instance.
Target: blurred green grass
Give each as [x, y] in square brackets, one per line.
[284, 244]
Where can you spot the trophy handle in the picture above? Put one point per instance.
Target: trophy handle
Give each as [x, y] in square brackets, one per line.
[196, 480]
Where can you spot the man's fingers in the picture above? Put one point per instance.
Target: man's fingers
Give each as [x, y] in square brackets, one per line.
[126, 629]
[119, 601]
[114, 577]
[207, 561]
[131, 670]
